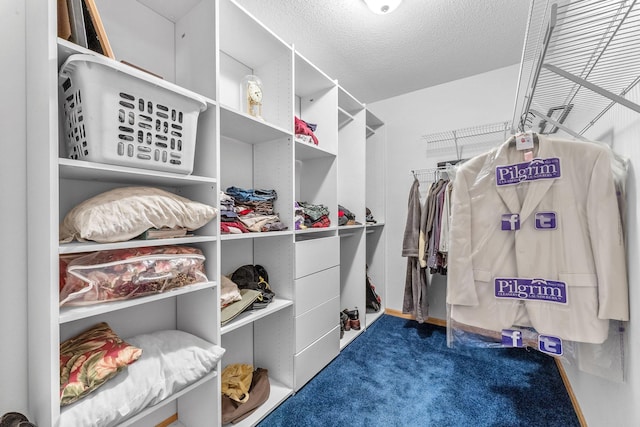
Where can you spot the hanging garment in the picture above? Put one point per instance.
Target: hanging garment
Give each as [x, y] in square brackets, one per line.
[538, 243]
[415, 288]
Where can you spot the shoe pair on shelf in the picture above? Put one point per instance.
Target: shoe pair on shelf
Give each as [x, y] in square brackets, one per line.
[15, 419]
[350, 319]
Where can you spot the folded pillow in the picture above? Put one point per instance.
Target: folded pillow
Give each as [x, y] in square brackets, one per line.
[124, 213]
[90, 359]
[171, 360]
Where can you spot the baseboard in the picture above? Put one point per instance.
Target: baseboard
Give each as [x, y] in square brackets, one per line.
[563, 373]
[431, 320]
[572, 396]
[168, 421]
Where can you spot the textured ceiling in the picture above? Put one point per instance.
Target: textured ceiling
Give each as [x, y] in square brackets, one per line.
[422, 43]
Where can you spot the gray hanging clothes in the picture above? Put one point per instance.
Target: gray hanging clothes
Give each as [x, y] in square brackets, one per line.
[415, 287]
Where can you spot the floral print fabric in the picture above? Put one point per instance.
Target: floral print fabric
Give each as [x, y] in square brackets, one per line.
[90, 359]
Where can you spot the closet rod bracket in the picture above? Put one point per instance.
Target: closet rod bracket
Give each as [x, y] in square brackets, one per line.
[597, 89]
[557, 124]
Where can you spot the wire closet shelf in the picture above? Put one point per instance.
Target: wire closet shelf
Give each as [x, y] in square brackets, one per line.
[475, 137]
[580, 58]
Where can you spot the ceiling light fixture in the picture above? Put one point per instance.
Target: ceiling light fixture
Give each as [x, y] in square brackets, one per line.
[382, 7]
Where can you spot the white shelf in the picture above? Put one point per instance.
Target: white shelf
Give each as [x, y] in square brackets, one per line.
[307, 151]
[349, 230]
[277, 394]
[252, 315]
[210, 376]
[71, 313]
[245, 38]
[344, 118]
[373, 122]
[91, 171]
[349, 336]
[348, 103]
[77, 247]
[310, 80]
[316, 230]
[372, 317]
[243, 127]
[255, 235]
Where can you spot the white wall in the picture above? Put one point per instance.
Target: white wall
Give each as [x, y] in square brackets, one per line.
[606, 403]
[13, 194]
[482, 99]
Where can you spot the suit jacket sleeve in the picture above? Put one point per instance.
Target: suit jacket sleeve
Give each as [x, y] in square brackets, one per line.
[461, 288]
[607, 242]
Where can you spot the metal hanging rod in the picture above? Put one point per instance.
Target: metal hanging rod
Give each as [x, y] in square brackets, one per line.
[580, 59]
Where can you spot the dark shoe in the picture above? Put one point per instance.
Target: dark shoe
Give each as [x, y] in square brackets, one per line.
[13, 419]
[344, 322]
[354, 318]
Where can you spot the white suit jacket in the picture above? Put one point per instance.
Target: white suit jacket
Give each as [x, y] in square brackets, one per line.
[585, 250]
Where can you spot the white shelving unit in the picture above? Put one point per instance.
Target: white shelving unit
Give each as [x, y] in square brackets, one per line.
[258, 154]
[172, 44]
[207, 47]
[351, 195]
[375, 200]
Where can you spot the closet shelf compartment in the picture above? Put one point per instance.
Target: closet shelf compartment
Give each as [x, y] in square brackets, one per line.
[309, 79]
[243, 127]
[251, 316]
[77, 247]
[344, 118]
[278, 393]
[316, 230]
[91, 171]
[305, 151]
[349, 336]
[348, 103]
[579, 60]
[210, 376]
[71, 313]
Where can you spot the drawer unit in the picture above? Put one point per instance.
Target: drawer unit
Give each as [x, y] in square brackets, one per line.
[315, 255]
[316, 289]
[315, 357]
[316, 322]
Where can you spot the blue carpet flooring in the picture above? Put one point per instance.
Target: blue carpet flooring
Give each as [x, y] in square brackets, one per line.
[401, 373]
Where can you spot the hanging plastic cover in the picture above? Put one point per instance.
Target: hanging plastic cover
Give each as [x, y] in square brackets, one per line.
[537, 252]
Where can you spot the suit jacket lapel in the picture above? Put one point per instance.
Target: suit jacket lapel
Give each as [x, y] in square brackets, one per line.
[507, 193]
[537, 189]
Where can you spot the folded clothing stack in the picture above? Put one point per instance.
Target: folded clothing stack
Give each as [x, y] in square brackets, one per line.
[315, 216]
[346, 217]
[305, 131]
[246, 210]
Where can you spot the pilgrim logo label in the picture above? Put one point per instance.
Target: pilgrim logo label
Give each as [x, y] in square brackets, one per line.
[550, 345]
[510, 222]
[531, 289]
[528, 171]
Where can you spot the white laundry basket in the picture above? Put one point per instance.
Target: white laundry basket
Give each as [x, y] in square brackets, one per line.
[119, 115]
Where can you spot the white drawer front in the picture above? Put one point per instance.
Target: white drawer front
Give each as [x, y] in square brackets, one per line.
[315, 357]
[314, 255]
[316, 322]
[316, 289]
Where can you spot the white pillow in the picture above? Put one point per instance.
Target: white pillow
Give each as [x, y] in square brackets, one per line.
[124, 213]
[170, 361]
